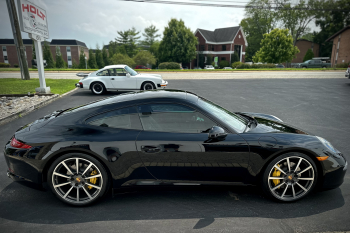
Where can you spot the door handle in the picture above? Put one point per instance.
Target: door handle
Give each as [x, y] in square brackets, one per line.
[112, 78]
[150, 149]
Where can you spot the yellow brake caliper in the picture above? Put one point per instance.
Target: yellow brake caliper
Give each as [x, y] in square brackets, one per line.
[276, 173]
[93, 180]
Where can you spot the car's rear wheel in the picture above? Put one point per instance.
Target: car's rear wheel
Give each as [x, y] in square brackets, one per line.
[77, 179]
[147, 86]
[289, 177]
[98, 88]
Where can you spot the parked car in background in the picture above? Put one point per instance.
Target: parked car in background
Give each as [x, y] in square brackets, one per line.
[347, 72]
[279, 66]
[119, 78]
[209, 67]
[185, 67]
[314, 63]
[142, 67]
[227, 68]
[197, 68]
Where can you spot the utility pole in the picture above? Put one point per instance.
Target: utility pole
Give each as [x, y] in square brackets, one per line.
[18, 39]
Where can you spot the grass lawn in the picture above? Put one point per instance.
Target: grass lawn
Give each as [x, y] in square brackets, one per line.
[19, 86]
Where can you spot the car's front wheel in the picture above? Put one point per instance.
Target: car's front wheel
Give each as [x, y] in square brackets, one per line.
[77, 179]
[98, 88]
[289, 177]
[147, 86]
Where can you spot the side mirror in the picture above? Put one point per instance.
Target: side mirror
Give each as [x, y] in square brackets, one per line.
[216, 132]
[128, 75]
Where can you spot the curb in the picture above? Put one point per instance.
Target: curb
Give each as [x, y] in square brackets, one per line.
[32, 108]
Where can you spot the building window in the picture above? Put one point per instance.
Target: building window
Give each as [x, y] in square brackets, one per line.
[68, 49]
[69, 58]
[202, 47]
[69, 66]
[224, 48]
[4, 48]
[223, 59]
[211, 47]
[5, 58]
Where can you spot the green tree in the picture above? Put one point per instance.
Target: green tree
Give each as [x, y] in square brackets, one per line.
[150, 35]
[92, 60]
[59, 59]
[276, 47]
[331, 22]
[48, 56]
[309, 55]
[144, 58]
[256, 23]
[99, 59]
[129, 39]
[105, 56]
[119, 58]
[178, 44]
[82, 61]
[224, 63]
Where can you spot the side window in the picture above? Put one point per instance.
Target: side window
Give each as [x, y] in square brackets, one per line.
[107, 72]
[120, 72]
[125, 118]
[173, 118]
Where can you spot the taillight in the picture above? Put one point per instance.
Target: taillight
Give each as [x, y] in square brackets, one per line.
[18, 144]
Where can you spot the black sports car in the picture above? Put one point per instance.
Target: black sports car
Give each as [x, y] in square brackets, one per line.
[169, 137]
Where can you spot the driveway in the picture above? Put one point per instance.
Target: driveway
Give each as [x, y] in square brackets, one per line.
[318, 105]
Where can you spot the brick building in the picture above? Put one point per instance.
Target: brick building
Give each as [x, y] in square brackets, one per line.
[70, 50]
[341, 46]
[303, 45]
[221, 43]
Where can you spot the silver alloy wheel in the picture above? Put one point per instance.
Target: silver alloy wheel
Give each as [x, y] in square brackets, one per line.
[296, 176]
[97, 88]
[77, 180]
[147, 86]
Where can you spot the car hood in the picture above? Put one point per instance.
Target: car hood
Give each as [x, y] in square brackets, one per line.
[270, 126]
[151, 75]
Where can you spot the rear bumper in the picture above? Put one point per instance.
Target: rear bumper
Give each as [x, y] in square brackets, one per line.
[80, 85]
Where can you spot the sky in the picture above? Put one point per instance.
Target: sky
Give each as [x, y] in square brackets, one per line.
[97, 22]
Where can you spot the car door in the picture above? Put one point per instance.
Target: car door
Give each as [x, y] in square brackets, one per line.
[121, 81]
[174, 146]
[114, 134]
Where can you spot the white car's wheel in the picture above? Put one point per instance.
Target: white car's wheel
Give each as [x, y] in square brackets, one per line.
[147, 86]
[98, 88]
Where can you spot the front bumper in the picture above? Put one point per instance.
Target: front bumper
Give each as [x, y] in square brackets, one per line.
[335, 172]
[163, 85]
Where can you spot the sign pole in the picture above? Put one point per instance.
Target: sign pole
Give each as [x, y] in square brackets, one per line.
[39, 64]
[18, 39]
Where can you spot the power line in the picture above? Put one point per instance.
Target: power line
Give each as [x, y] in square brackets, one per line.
[233, 6]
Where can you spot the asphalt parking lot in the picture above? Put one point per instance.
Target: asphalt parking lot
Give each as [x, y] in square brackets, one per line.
[320, 106]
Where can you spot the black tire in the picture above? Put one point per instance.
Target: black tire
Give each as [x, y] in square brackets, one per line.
[98, 88]
[147, 86]
[324, 67]
[289, 186]
[76, 190]
[304, 67]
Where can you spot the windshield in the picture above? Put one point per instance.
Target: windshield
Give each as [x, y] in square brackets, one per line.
[307, 61]
[230, 118]
[130, 71]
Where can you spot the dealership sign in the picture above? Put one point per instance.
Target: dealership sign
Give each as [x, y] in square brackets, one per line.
[33, 19]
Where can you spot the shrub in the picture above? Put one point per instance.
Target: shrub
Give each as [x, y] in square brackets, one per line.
[256, 66]
[224, 63]
[169, 66]
[244, 66]
[309, 55]
[234, 57]
[342, 65]
[6, 65]
[16, 65]
[235, 64]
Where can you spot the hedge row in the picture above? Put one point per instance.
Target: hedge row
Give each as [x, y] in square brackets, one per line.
[169, 66]
[342, 65]
[255, 66]
[6, 65]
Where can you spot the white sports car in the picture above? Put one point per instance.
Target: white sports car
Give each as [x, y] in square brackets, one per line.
[119, 78]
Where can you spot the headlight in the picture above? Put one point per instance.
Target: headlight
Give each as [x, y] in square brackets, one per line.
[327, 144]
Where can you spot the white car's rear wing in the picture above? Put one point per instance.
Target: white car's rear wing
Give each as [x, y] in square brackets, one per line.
[82, 74]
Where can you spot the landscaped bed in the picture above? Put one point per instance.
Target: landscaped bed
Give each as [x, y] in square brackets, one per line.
[19, 86]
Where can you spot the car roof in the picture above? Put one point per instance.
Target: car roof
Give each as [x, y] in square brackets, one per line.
[114, 66]
[143, 95]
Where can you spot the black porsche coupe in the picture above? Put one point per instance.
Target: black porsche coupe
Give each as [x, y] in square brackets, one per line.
[169, 137]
